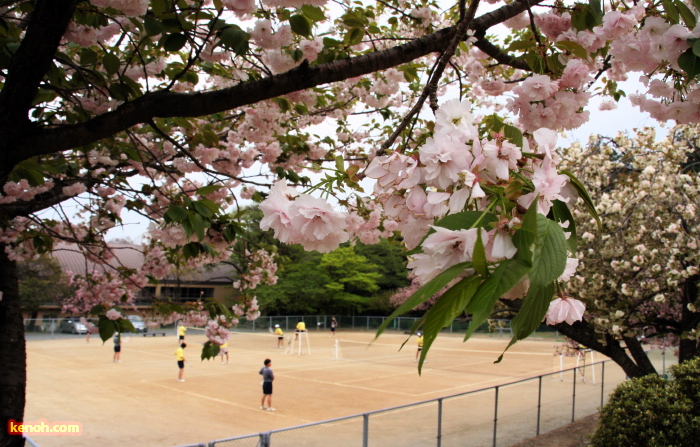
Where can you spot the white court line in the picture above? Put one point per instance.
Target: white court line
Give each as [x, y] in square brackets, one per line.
[434, 348]
[222, 401]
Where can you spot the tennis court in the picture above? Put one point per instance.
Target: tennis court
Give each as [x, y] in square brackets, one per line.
[140, 402]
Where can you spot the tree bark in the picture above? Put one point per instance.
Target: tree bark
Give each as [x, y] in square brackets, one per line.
[688, 348]
[634, 364]
[13, 352]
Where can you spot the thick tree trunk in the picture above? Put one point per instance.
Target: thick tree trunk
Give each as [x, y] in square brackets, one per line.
[13, 353]
[688, 348]
[635, 363]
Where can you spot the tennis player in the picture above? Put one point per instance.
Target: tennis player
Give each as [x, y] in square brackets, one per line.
[420, 345]
[180, 355]
[280, 336]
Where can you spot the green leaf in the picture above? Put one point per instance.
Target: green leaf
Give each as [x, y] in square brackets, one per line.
[284, 104]
[513, 134]
[354, 36]
[230, 233]
[174, 42]
[87, 57]
[124, 325]
[106, 328]
[466, 220]
[340, 164]
[111, 63]
[235, 39]
[313, 12]
[210, 350]
[197, 224]
[583, 194]
[562, 214]
[686, 14]
[522, 45]
[596, 10]
[696, 4]
[301, 25]
[506, 275]
[352, 21]
[176, 213]
[448, 307]
[550, 255]
[479, 256]
[696, 48]
[671, 11]
[530, 315]
[202, 209]
[690, 63]
[205, 190]
[425, 292]
[191, 249]
[153, 26]
[526, 237]
[572, 47]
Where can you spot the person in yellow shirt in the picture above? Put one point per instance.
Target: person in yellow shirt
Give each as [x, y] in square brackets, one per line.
[301, 327]
[223, 351]
[420, 345]
[280, 336]
[180, 355]
[181, 332]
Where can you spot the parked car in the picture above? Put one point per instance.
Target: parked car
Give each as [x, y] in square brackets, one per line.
[72, 325]
[138, 323]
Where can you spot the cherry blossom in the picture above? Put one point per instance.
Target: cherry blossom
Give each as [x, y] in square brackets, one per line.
[566, 309]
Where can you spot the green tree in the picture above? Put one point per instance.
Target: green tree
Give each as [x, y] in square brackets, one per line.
[389, 258]
[353, 280]
[41, 282]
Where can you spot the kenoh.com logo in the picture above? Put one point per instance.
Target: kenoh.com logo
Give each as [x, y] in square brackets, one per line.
[44, 428]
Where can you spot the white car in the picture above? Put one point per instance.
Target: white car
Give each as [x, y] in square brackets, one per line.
[72, 325]
[138, 323]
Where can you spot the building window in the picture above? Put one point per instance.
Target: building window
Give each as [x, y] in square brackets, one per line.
[182, 294]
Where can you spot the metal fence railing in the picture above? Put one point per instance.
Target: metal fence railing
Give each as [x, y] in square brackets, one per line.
[51, 327]
[498, 416]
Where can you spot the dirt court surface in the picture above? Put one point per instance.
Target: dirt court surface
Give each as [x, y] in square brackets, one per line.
[140, 402]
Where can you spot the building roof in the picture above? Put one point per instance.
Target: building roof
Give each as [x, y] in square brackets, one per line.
[73, 260]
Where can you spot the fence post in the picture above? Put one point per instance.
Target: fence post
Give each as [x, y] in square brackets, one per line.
[573, 401]
[539, 406]
[602, 383]
[439, 421]
[365, 430]
[265, 439]
[495, 418]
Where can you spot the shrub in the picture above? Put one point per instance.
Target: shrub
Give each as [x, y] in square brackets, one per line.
[687, 379]
[650, 412]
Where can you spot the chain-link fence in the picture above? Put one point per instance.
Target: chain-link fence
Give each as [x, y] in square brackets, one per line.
[498, 416]
[53, 327]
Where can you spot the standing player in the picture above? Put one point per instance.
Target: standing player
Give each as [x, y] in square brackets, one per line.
[117, 348]
[223, 350]
[180, 355]
[334, 324]
[268, 377]
[420, 345]
[181, 332]
[301, 327]
[280, 336]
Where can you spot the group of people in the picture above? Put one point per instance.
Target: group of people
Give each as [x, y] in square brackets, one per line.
[266, 372]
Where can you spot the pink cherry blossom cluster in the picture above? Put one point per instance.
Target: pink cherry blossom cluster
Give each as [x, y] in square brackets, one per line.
[97, 288]
[248, 307]
[22, 191]
[302, 219]
[216, 332]
[262, 269]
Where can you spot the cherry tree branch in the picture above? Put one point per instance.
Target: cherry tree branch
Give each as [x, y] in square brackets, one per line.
[37, 141]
